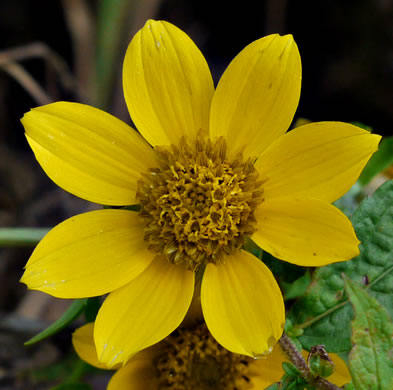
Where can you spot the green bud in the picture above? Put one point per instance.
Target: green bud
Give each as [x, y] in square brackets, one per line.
[291, 330]
[319, 362]
[296, 332]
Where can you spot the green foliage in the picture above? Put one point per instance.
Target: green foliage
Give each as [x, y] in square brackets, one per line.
[379, 161]
[114, 21]
[73, 312]
[292, 379]
[292, 278]
[284, 272]
[293, 332]
[350, 201]
[298, 288]
[371, 358]
[324, 313]
[69, 369]
[290, 369]
[362, 126]
[91, 309]
[274, 386]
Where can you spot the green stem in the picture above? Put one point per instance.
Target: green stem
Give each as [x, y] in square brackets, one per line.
[21, 236]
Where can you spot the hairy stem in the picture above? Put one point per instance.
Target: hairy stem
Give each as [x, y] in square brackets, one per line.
[296, 358]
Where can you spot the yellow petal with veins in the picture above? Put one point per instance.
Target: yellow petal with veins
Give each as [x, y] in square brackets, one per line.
[257, 96]
[83, 342]
[88, 255]
[242, 304]
[88, 152]
[320, 160]
[167, 84]
[143, 312]
[138, 374]
[306, 232]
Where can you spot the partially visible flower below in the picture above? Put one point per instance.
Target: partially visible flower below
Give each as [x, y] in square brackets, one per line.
[209, 169]
[191, 359]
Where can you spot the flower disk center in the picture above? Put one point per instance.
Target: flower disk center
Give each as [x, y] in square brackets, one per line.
[193, 360]
[197, 204]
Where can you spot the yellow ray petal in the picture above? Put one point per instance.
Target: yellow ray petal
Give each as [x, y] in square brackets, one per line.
[143, 312]
[258, 94]
[88, 255]
[268, 370]
[319, 160]
[138, 374]
[83, 342]
[341, 374]
[242, 305]
[167, 84]
[88, 152]
[306, 232]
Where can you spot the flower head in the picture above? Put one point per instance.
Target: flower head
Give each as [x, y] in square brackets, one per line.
[209, 168]
[191, 359]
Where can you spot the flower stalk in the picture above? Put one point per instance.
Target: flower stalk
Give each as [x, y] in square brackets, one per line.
[17, 236]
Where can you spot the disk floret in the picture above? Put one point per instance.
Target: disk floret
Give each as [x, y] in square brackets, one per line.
[192, 359]
[198, 204]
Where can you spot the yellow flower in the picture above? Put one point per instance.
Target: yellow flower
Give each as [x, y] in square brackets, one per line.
[210, 168]
[191, 359]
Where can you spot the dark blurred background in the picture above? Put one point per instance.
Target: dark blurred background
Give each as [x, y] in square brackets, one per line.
[73, 49]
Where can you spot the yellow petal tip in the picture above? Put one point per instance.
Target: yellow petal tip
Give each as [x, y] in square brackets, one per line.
[271, 342]
[377, 139]
[25, 279]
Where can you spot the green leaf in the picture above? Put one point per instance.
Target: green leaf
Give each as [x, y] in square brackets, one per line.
[274, 386]
[379, 161]
[349, 202]
[324, 313]
[298, 287]
[293, 333]
[362, 126]
[92, 307]
[21, 236]
[116, 21]
[290, 370]
[72, 386]
[371, 358]
[283, 271]
[73, 312]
